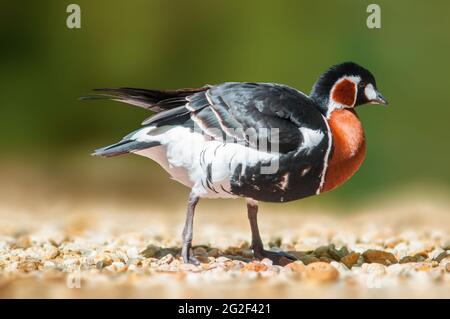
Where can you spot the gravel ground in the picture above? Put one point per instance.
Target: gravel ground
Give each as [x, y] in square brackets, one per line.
[105, 250]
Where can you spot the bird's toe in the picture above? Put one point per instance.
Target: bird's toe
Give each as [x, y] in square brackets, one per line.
[278, 258]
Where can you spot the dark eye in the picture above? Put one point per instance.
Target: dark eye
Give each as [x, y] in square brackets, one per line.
[362, 84]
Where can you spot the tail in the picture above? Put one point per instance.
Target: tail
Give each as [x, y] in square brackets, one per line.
[168, 103]
[123, 147]
[153, 100]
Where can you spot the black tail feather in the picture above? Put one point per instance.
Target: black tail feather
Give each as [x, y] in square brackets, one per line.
[123, 147]
[154, 100]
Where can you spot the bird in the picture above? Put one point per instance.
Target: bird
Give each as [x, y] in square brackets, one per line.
[265, 142]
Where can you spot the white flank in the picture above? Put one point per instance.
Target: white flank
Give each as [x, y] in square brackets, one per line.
[186, 156]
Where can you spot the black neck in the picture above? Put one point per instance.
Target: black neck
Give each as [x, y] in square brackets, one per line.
[320, 93]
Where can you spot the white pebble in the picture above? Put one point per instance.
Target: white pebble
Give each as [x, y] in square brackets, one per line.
[133, 253]
[341, 268]
[11, 267]
[118, 265]
[374, 268]
[401, 250]
[416, 246]
[436, 252]
[267, 262]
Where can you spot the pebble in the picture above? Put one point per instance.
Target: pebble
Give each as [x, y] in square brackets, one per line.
[379, 256]
[321, 272]
[213, 252]
[132, 253]
[200, 251]
[326, 259]
[49, 264]
[247, 253]
[23, 242]
[132, 267]
[341, 268]
[422, 267]
[275, 243]
[28, 265]
[244, 245]
[350, 260]
[375, 268]
[416, 246]
[233, 251]
[329, 253]
[446, 246]
[392, 242]
[150, 251]
[422, 260]
[299, 254]
[296, 266]
[11, 267]
[237, 264]
[412, 259]
[52, 253]
[344, 238]
[188, 267]
[321, 251]
[222, 259]
[308, 259]
[267, 262]
[202, 258]
[119, 266]
[240, 258]
[342, 252]
[167, 259]
[401, 250]
[436, 252]
[397, 269]
[254, 266]
[441, 256]
[104, 259]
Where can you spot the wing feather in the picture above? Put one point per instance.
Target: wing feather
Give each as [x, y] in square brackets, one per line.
[240, 112]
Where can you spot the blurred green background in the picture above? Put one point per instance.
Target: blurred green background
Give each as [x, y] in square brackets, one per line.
[45, 67]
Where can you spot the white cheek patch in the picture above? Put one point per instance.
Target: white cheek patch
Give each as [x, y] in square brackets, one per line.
[370, 92]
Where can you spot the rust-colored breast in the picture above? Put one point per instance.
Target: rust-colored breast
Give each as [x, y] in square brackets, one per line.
[349, 148]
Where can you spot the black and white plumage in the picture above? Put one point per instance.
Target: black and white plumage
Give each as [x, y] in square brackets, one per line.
[209, 140]
[261, 141]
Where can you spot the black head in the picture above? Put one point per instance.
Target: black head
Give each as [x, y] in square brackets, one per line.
[346, 85]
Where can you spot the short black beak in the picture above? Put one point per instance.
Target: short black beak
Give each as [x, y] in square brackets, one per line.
[379, 99]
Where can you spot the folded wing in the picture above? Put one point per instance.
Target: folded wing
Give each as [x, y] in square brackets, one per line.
[237, 112]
